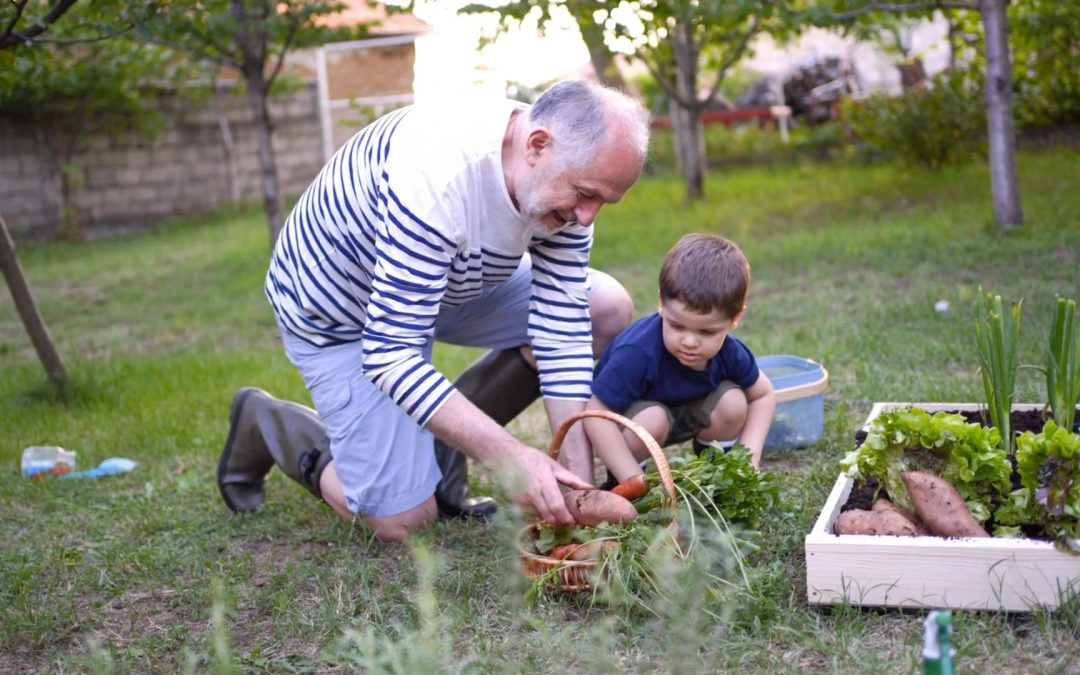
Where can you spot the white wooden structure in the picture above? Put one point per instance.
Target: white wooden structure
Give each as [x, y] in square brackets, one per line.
[1016, 575]
[340, 100]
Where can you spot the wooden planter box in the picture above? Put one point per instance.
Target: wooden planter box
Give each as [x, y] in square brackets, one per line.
[1015, 575]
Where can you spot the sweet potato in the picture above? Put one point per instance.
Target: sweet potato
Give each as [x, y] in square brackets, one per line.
[940, 507]
[632, 488]
[592, 507]
[883, 504]
[859, 521]
[592, 550]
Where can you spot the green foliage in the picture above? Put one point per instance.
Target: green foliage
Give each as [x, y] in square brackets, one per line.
[943, 124]
[85, 64]
[687, 46]
[910, 439]
[105, 83]
[997, 340]
[30, 32]
[76, 91]
[1049, 496]
[715, 480]
[1045, 41]
[721, 499]
[749, 144]
[252, 36]
[1062, 364]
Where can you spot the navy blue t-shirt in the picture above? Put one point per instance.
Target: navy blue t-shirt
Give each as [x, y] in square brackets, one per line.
[637, 367]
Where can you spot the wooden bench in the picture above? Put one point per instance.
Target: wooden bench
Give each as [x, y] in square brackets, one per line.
[780, 115]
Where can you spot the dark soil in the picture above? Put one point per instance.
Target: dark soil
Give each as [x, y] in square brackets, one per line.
[862, 496]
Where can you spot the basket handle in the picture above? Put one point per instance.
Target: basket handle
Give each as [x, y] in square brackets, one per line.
[653, 447]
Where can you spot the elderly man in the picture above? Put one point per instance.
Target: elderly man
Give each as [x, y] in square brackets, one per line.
[464, 224]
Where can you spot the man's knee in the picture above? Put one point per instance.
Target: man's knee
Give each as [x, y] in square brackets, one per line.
[611, 309]
[387, 528]
[400, 525]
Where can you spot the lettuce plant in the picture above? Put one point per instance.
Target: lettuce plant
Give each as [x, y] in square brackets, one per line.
[1049, 467]
[910, 439]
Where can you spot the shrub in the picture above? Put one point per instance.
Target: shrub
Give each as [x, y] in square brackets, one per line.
[942, 124]
[748, 144]
[1046, 48]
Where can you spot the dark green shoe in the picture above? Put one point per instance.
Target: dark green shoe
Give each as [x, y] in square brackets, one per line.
[264, 431]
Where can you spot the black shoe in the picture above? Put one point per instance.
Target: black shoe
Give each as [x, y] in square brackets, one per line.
[611, 482]
[478, 508]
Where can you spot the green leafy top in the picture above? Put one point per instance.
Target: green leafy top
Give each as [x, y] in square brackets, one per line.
[1049, 467]
[1049, 464]
[911, 439]
[727, 482]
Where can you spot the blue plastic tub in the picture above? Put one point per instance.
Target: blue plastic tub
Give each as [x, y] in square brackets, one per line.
[800, 400]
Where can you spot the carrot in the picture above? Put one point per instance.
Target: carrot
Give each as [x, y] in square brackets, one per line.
[592, 507]
[562, 551]
[940, 506]
[632, 488]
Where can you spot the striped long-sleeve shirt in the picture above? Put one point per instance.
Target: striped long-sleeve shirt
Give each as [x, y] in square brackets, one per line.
[413, 214]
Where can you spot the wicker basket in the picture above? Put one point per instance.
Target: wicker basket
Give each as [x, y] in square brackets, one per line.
[575, 575]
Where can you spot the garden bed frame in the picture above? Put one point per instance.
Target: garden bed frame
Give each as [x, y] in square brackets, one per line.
[1016, 575]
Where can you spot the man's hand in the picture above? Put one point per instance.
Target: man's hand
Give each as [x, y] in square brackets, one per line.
[536, 484]
[530, 476]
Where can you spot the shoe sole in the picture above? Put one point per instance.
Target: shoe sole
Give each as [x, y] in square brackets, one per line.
[226, 451]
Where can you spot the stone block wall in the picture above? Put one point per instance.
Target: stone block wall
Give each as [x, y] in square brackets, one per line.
[127, 183]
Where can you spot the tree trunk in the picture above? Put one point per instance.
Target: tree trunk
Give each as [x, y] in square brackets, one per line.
[1003, 184]
[28, 312]
[603, 62]
[592, 34]
[685, 114]
[257, 99]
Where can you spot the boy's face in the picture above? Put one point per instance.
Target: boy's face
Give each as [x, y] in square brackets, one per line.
[691, 337]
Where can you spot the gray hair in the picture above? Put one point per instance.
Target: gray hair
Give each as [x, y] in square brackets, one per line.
[580, 116]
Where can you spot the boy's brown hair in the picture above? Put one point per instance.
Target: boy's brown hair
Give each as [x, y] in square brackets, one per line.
[706, 272]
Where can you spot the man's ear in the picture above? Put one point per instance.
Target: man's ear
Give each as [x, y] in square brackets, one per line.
[538, 141]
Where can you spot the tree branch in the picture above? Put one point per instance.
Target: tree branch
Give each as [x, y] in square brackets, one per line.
[19, 7]
[654, 70]
[10, 39]
[732, 59]
[874, 6]
[293, 27]
[86, 40]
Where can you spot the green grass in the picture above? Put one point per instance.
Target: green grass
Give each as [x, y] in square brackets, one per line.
[150, 572]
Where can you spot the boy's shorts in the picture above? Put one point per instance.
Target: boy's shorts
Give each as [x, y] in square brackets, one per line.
[687, 419]
[384, 459]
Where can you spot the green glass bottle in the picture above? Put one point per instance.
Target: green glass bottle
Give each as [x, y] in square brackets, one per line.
[938, 651]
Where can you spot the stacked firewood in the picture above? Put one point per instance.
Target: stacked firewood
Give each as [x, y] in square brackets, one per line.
[814, 89]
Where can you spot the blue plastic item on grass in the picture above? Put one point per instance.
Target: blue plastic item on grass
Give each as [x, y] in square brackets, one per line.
[108, 467]
[800, 400]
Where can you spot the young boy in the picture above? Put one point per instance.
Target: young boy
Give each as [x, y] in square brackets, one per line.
[678, 373]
